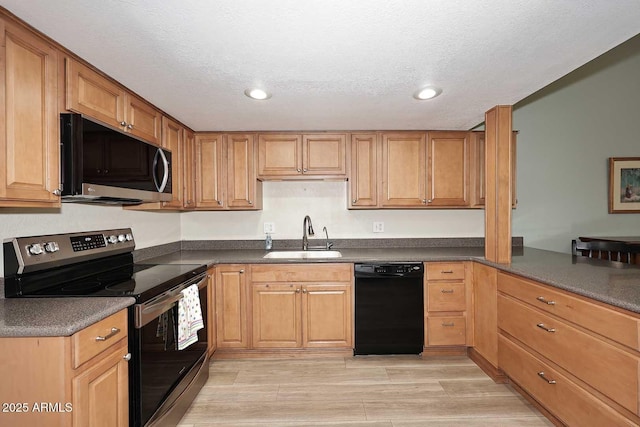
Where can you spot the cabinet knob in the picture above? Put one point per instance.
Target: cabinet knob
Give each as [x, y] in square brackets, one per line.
[354, 201]
[219, 202]
[123, 123]
[298, 291]
[127, 357]
[424, 201]
[429, 201]
[129, 126]
[304, 291]
[298, 170]
[241, 271]
[57, 192]
[250, 202]
[305, 170]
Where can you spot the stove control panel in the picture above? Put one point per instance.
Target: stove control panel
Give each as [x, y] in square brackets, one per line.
[26, 254]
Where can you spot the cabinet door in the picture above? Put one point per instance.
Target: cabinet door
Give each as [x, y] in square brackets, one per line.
[29, 143]
[326, 315]
[189, 167]
[279, 155]
[172, 139]
[485, 301]
[92, 94]
[364, 167]
[143, 120]
[211, 315]
[276, 316]
[403, 169]
[242, 185]
[210, 171]
[448, 169]
[324, 154]
[231, 306]
[101, 393]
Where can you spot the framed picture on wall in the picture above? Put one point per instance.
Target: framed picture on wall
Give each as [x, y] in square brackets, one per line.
[624, 184]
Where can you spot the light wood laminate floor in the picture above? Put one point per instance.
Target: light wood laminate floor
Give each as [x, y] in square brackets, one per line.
[362, 391]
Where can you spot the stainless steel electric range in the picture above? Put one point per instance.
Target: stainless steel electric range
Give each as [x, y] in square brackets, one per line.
[162, 379]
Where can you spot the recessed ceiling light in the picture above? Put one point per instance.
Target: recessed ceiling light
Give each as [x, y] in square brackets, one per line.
[258, 94]
[427, 93]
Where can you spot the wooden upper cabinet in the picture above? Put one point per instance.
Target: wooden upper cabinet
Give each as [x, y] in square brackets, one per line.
[363, 176]
[302, 156]
[404, 165]
[173, 139]
[279, 155]
[243, 189]
[189, 169]
[143, 120]
[324, 154]
[448, 171]
[29, 142]
[477, 169]
[210, 172]
[89, 92]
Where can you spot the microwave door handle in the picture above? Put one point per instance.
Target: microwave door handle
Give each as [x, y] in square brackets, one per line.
[165, 176]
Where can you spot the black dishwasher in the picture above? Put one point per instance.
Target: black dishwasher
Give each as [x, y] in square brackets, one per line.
[389, 308]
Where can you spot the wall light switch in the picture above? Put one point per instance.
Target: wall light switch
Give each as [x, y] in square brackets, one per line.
[378, 227]
[269, 227]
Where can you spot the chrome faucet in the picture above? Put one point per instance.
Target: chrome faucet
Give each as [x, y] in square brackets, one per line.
[306, 227]
[328, 244]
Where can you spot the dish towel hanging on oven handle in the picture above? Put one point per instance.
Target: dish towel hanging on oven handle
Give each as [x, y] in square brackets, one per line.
[189, 317]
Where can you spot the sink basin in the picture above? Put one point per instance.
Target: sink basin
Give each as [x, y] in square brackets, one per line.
[303, 254]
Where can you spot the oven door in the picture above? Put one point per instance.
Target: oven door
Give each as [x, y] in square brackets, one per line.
[158, 367]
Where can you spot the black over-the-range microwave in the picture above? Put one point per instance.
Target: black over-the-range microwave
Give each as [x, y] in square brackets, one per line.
[103, 165]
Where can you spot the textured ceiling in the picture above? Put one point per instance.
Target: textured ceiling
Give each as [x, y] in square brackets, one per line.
[333, 64]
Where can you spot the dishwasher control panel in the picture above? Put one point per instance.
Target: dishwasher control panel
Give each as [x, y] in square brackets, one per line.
[393, 269]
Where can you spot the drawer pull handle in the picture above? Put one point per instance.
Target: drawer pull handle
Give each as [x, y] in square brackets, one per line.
[113, 332]
[446, 291]
[541, 375]
[448, 324]
[542, 326]
[541, 299]
[446, 271]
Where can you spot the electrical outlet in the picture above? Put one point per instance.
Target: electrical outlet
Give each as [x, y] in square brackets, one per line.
[269, 227]
[378, 227]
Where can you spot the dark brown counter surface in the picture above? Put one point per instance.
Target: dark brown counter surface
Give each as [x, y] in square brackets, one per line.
[594, 279]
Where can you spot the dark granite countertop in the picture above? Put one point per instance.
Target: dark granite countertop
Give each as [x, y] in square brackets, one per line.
[594, 279]
[598, 280]
[54, 317]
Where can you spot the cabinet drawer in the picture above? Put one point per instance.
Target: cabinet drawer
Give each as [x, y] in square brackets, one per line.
[301, 273]
[612, 324]
[446, 330]
[87, 343]
[445, 270]
[443, 296]
[566, 400]
[584, 355]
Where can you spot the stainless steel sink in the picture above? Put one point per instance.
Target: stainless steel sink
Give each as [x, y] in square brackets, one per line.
[303, 254]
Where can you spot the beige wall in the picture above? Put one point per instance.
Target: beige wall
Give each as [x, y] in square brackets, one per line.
[568, 131]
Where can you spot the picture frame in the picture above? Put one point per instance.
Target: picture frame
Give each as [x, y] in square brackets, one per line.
[624, 185]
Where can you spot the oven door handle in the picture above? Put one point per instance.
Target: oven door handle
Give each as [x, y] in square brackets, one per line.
[145, 314]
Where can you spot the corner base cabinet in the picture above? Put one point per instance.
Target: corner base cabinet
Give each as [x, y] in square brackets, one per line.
[67, 381]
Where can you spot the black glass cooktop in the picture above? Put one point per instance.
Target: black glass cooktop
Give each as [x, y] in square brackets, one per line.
[115, 276]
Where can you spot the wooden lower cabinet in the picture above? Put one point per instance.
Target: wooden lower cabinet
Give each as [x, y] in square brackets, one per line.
[567, 353]
[485, 313]
[301, 306]
[231, 306]
[448, 306]
[67, 381]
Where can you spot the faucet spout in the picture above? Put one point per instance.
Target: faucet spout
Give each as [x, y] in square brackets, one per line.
[307, 227]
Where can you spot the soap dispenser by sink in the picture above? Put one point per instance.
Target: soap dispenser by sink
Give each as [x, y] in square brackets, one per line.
[268, 243]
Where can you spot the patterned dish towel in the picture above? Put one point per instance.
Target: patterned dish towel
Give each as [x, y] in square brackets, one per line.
[189, 317]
